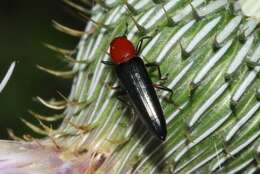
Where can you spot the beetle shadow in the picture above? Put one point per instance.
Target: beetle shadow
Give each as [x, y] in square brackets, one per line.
[149, 148]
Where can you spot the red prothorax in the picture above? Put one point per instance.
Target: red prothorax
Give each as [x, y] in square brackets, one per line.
[122, 50]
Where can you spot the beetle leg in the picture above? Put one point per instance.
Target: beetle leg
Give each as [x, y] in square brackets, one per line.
[154, 64]
[169, 99]
[164, 88]
[120, 92]
[119, 95]
[111, 86]
[107, 63]
[140, 43]
[123, 101]
[115, 87]
[133, 117]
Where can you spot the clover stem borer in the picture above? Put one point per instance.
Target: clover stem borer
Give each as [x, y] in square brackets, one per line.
[136, 83]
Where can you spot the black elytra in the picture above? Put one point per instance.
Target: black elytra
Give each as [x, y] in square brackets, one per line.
[135, 80]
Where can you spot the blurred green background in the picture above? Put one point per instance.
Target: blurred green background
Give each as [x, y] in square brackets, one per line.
[24, 27]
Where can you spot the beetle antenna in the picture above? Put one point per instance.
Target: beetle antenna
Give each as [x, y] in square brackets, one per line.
[140, 43]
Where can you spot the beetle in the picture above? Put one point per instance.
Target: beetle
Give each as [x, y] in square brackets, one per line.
[136, 83]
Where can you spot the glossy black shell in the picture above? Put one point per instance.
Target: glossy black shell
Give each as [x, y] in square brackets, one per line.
[135, 80]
